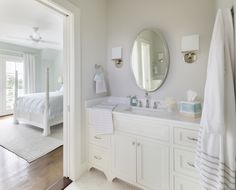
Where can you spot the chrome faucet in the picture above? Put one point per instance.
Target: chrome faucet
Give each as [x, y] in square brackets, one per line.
[147, 100]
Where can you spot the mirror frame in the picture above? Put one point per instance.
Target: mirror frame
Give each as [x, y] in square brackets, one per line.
[158, 31]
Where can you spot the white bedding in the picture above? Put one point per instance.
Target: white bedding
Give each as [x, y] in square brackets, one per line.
[35, 103]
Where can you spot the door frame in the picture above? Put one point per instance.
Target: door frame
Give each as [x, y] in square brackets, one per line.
[72, 100]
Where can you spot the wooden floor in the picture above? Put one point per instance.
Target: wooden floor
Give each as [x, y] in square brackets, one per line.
[18, 174]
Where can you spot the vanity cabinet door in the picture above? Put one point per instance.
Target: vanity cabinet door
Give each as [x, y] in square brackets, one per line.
[124, 156]
[152, 164]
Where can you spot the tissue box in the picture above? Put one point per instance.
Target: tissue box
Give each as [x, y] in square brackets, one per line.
[191, 109]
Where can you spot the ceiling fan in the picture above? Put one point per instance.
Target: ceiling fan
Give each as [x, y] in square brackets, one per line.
[35, 37]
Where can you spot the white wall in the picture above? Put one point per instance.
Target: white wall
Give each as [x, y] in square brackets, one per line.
[127, 17]
[93, 47]
[94, 41]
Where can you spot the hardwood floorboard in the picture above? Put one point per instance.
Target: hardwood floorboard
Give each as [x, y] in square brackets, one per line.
[17, 174]
[6, 117]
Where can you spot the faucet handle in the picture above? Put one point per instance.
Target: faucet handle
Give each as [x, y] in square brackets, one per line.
[140, 104]
[155, 105]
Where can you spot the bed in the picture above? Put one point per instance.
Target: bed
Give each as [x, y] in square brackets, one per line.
[42, 110]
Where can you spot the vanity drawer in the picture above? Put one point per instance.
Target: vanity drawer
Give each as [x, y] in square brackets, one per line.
[185, 137]
[185, 184]
[98, 157]
[100, 140]
[184, 163]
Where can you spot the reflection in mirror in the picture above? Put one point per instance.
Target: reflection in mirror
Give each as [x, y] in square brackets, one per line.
[150, 60]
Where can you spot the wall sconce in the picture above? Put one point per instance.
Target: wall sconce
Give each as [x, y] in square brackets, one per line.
[117, 56]
[190, 46]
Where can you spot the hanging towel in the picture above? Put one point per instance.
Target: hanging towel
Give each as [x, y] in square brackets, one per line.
[100, 83]
[100, 117]
[216, 152]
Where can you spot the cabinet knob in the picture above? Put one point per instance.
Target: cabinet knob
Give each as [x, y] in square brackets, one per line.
[133, 143]
[97, 157]
[96, 137]
[138, 144]
[191, 165]
[192, 139]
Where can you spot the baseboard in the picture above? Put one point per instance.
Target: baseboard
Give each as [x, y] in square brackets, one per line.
[60, 184]
[84, 168]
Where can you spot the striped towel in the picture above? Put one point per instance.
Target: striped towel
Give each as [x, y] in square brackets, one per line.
[216, 149]
[215, 161]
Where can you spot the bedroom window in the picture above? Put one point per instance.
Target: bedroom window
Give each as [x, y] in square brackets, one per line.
[11, 67]
[8, 66]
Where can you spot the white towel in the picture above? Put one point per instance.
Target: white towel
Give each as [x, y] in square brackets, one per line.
[216, 152]
[100, 83]
[100, 117]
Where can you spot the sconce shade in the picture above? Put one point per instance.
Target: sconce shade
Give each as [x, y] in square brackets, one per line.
[190, 43]
[116, 53]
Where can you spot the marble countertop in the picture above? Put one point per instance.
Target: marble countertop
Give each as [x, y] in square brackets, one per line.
[157, 114]
[160, 114]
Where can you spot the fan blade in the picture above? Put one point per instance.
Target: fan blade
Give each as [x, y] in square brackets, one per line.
[29, 39]
[49, 42]
[17, 38]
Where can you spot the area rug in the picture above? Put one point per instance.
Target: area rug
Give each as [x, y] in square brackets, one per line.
[27, 141]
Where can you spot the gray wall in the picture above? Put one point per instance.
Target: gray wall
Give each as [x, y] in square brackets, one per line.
[224, 3]
[127, 17]
[44, 58]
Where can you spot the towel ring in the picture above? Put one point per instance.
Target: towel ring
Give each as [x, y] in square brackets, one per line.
[98, 68]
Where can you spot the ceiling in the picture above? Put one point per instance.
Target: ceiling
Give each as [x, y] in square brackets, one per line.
[18, 17]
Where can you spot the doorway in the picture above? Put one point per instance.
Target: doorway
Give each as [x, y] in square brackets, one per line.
[72, 152]
[71, 104]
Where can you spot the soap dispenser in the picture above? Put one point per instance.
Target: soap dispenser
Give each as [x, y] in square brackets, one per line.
[133, 100]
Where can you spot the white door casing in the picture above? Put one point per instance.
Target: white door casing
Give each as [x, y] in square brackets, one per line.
[72, 86]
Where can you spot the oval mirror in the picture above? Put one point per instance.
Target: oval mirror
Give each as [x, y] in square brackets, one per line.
[150, 60]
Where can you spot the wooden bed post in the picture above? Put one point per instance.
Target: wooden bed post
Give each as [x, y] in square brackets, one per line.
[46, 124]
[15, 100]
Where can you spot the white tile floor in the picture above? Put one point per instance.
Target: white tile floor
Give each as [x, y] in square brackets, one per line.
[95, 180]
